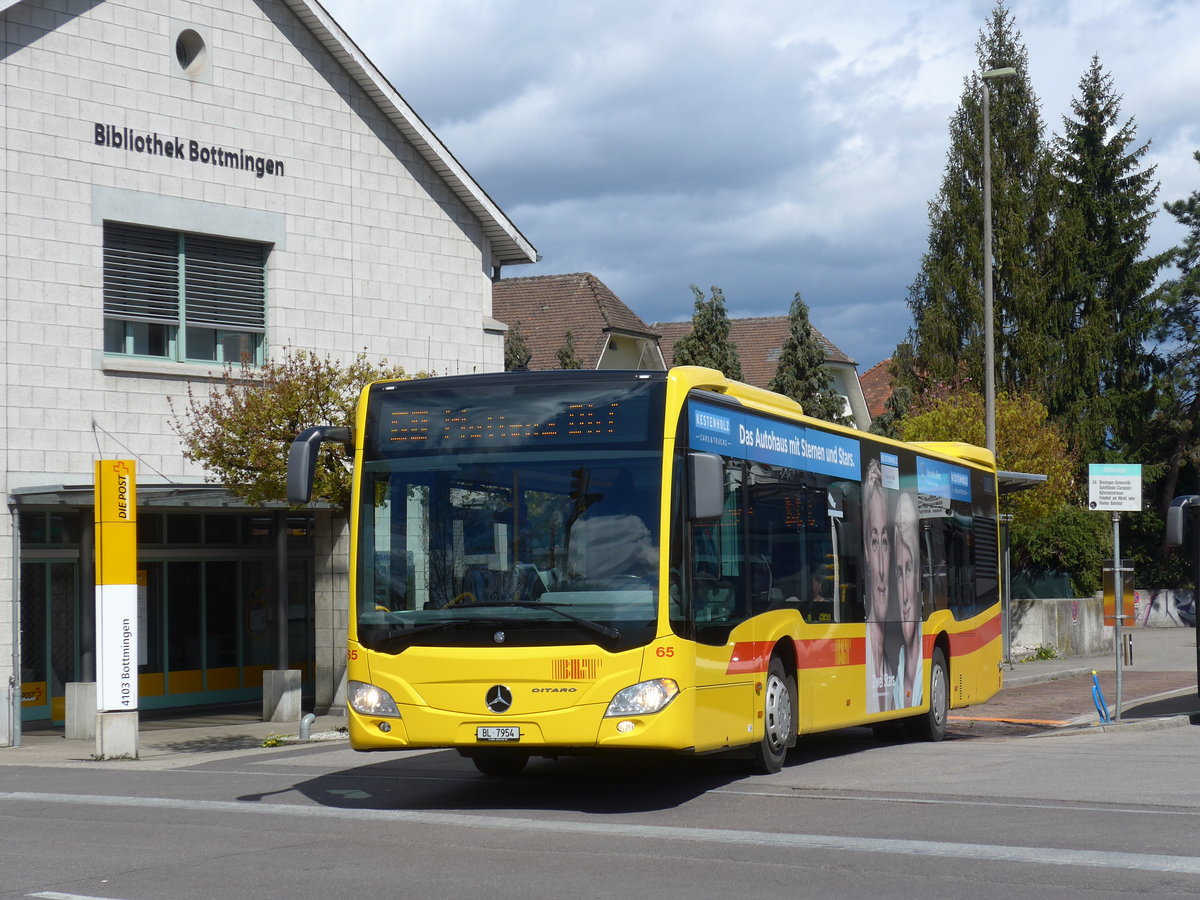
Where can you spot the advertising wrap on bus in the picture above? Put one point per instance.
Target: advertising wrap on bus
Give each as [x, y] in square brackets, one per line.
[746, 435]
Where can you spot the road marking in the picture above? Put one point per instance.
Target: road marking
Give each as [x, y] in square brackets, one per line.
[55, 895]
[1054, 856]
[802, 794]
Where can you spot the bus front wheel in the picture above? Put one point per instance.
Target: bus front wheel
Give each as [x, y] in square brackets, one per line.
[931, 726]
[779, 720]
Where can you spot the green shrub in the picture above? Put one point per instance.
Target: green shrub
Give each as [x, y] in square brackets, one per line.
[1071, 539]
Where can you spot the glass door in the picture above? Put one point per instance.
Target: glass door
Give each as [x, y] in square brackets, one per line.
[49, 597]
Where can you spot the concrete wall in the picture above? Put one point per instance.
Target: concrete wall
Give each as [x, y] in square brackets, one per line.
[1073, 627]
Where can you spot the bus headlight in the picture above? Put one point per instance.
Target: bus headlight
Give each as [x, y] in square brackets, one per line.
[643, 698]
[368, 700]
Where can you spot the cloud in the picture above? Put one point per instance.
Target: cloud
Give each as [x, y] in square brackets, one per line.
[765, 148]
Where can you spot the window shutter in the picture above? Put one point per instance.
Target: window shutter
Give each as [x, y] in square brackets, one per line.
[141, 274]
[225, 284]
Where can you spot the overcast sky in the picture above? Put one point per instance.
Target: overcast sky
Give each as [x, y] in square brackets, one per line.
[767, 147]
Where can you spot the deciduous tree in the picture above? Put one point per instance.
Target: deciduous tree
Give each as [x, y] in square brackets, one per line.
[1025, 442]
[239, 427]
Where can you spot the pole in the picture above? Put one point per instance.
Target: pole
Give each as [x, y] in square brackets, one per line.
[1119, 603]
[1006, 593]
[989, 350]
[1196, 586]
[87, 599]
[281, 590]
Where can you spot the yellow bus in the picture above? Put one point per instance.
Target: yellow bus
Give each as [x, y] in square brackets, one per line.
[564, 562]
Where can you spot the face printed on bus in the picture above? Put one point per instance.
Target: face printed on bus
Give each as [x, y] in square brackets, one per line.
[908, 587]
[879, 555]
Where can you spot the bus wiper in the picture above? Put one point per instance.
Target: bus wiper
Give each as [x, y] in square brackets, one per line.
[396, 635]
[598, 627]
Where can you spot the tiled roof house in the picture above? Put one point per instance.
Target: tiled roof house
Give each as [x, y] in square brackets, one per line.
[759, 342]
[606, 333]
[877, 386]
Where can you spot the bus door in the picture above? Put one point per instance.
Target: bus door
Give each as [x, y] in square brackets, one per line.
[798, 572]
[718, 609]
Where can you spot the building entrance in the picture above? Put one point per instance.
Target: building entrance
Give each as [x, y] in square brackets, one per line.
[206, 607]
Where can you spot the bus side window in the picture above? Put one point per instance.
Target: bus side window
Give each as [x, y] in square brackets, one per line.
[716, 589]
[848, 544]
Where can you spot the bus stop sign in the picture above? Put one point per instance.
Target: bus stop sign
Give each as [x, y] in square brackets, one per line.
[1115, 488]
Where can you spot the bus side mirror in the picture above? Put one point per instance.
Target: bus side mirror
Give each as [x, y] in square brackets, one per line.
[706, 486]
[1177, 518]
[302, 459]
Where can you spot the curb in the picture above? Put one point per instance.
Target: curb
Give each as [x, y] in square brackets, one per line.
[1043, 677]
[1132, 725]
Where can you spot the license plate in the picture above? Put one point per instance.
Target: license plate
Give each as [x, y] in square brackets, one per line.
[498, 733]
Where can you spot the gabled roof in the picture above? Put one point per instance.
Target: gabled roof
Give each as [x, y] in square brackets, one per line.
[548, 306]
[758, 340]
[877, 386]
[509, 246]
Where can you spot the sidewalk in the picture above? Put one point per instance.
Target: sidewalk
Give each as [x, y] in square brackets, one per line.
[174, 742]
[1053, 695]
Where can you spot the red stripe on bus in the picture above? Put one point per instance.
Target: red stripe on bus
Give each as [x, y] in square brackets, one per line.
[821, 653]
[749, 656]
[826, 653]
[965, 642]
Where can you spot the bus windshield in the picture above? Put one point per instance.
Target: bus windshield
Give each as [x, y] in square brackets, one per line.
[531, 532]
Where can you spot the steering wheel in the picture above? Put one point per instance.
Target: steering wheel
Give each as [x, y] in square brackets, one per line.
[464, 597]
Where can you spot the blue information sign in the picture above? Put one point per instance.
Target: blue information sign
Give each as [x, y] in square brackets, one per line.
[746, 435]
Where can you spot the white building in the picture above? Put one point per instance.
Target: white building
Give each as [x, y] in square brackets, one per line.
[184, 182]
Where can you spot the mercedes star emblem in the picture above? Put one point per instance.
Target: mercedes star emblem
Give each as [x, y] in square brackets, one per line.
[499, 698]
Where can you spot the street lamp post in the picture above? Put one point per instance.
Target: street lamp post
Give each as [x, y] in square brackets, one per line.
[989, 349]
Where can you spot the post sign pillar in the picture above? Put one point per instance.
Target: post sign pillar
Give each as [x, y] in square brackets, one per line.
[116, 609]
[1116, 488]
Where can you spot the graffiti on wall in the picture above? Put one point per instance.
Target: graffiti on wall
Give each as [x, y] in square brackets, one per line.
[1166, 608]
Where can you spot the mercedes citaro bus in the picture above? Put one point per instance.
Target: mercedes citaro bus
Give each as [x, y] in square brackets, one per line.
[567, 562]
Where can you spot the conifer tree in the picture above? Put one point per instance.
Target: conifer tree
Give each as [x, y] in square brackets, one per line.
[1103, 286]
[1179, 332]
[566, 354]
[946, 296]
[516, 349]
[708, 343]
[802, 374]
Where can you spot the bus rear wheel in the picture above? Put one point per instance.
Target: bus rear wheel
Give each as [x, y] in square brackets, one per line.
[779, 720]
[499, 762]
[931, 726]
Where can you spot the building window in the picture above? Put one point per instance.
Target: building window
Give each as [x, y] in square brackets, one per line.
[190, 52]
[185, 297]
